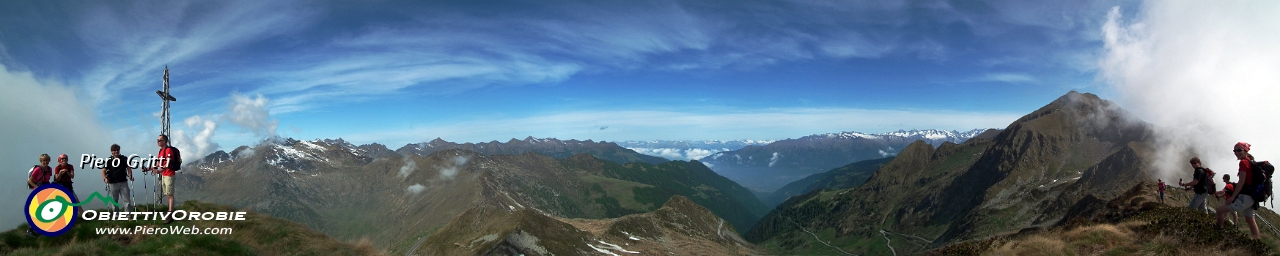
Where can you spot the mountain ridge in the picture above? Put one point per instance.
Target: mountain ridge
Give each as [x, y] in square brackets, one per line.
[1029, 175]
[304, 181]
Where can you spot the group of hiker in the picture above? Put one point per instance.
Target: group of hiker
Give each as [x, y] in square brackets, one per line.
[116, 174]
[1240, 198]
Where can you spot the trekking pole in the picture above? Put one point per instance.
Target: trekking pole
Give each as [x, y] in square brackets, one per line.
[144, 183]
[1264, 220]
[155, 193]
[131, 201]
[107, 188]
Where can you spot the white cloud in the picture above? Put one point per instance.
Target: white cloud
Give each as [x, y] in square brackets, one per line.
[448, 172]
[252, 114]
[42, 117]
[1204, 72]
[197, 146]
[1012, 78]
[246, 152]
[415, 189]
[408, 168]
[685, 154]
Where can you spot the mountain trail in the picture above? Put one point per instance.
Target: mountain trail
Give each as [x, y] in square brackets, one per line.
[815, 237]
[888, 243]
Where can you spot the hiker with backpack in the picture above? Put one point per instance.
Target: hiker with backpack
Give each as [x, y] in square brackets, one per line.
[38, 176]
[114, 174]
[1202, 184]
[1160, 187]
[170, 163]
[1243, 198]
[64, 173]
[1227, 189]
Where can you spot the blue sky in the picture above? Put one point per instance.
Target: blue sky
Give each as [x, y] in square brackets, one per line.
[398, 72]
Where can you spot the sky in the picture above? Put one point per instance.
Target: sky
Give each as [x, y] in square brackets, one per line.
[475, 71]
[78, 76]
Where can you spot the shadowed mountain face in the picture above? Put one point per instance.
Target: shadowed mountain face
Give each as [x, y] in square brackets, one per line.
[847, 176]
[1028, 175]
[764, 169]
[353, 192]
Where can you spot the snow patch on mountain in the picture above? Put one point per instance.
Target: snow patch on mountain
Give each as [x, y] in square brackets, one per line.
[312, 146]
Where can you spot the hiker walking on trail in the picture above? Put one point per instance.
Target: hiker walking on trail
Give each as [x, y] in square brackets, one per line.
[1225, 194]
[1243, 202]
[115, 174]
[64, 173]
[1160, 187]
[1197, 184]
[171, 161]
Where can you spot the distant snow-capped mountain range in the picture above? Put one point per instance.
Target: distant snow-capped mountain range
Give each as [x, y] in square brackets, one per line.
[769, 167]
[698, 149]
[940, 135]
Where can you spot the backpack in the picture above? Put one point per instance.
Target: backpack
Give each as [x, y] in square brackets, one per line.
[1259, 182]
[43, 177]
[175, 159]
[1207, 181]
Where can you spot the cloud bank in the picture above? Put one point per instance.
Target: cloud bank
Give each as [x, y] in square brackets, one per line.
[252, 114]
[1204, 73]
[43, 117]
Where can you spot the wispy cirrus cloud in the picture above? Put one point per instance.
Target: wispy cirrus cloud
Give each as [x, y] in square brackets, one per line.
[130, 43]
[274, 48]
[1011, 78]
[311, 57]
